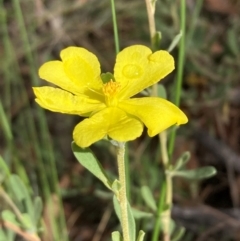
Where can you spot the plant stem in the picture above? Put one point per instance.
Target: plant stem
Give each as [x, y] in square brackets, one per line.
[181, 57]
[166, 215]
[115, 28]
[123, 191]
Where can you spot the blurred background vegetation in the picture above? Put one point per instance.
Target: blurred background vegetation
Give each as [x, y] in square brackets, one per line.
[35, 144]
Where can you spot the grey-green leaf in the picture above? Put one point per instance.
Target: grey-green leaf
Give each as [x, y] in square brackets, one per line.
[90, 162]
[116, 236]
[196, 174]
[175, 42]
[117, 207]
[182, 160]
[141, 235]
[179, 234]
[148, 198]
[38, 207]
[22, 194]
[138, 214]
[131, 222]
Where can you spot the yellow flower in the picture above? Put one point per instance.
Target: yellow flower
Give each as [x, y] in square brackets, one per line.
[108, 106]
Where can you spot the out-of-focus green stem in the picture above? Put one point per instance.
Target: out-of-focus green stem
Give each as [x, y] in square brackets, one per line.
[115, 28]
[180, 65]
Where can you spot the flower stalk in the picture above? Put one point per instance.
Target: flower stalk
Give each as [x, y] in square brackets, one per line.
[122, 197]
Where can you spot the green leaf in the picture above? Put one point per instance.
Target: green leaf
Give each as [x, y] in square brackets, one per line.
[116, 236]
[9, 216]
[178, 234]
[106, 77]
[131, 221]
[232, 42]
[117, 208]
[90, 162]
[138, 214]
[175, 42]
[27, 222]
[162, 93]
[182, 160]
[141, 235]
[116, 187]
[3, 237]
[4, 171]
[21, 193]
[148, 198]
[38, 207]
[196, 174]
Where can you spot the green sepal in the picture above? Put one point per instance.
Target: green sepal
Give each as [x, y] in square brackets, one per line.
[106, 77]
[196, 174]
[148, 198]
[116, 236]
[141, 235]
[182, 160]
[89, 161]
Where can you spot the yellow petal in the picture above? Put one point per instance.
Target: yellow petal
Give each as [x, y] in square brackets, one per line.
[82, 67]
[110, 121]
[58, 100]
[156, 113]
[53, 72]
[137, 68]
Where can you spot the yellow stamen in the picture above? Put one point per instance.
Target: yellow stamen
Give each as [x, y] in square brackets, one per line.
[110, 89]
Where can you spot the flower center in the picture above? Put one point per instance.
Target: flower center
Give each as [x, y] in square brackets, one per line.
[110, 89]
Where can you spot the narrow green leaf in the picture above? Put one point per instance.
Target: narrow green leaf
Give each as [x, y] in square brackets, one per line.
[38, 207]
[4, 171]
[117, 208]
[27, 222]
[162, 93]
[131, 220]
[9, 216]
[148, 198]
[138, 214]
[232, 42]
[131, 223]
[141, 235]
[175, 42]
[116, 187]
[197, 174]
[22, 194]
[90, 162]
[182, 160]
[116, 236]
[3, 237]
[179, 234]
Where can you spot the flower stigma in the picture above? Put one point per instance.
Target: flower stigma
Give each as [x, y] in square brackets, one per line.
[110, 89]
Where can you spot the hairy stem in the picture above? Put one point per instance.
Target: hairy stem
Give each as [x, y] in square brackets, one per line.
[123, 191]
